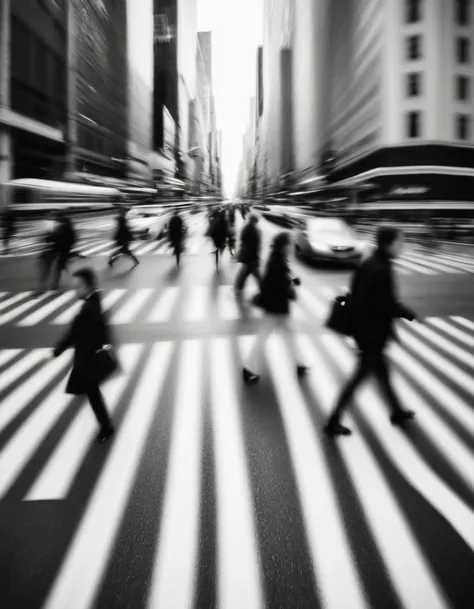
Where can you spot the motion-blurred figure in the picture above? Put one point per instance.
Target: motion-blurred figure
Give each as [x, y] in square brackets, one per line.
[276, 292]
[48, 253]
[64, 239]
[123, 237]
[248, 254]
[374, 307]
[88, 335]
[176, 235]
[8, 228]
[218, 232]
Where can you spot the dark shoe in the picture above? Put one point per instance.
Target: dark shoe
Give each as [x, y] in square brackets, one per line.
[104, 435]
[334, 428]
[302, 371]
[136, 261]
[401, 416]
[110, 263]
[249, 377]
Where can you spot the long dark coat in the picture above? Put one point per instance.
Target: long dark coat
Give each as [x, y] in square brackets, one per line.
[277, 288]
[374, 303]
[176, 233]
[87, 334]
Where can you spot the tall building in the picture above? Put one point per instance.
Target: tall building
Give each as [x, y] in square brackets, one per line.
[140, 89]
[399, 108]
[260, 97]
[98, 63]
[33, 88]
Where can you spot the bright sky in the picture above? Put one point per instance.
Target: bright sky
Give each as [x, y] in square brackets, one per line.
[237, 30]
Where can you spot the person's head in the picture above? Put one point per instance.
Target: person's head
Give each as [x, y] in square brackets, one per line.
[281, 244]
[390, 240]
[253, 218]
[86, 282]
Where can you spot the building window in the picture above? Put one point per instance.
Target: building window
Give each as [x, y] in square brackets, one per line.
[463, 50]
[462, 16]
[413, 124]
[462, 127]
[462, 88]
[413, 11]
[414, 47]
[413, 85]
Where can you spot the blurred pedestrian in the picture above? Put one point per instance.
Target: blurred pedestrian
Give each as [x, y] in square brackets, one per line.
[219, 232]
[123, 237]
[64, 240]
[9, 228]
[249, 254]
[374, 307]
[48, 253]
[177, 235]
[88, 335]
[276, 292]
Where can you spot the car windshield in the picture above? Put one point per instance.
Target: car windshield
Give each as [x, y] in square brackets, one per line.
[329, 227]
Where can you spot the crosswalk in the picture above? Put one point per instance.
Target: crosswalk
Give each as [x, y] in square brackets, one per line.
[194, 384]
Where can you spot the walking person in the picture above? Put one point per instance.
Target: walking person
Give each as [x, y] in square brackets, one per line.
[64, 240]
[48, 253]
[219, 232]
[276, 292]
[176, 235]
[374, 307]
[9, 228]
[231, 231]
[248, 254]
[88, 335]
[123, 237]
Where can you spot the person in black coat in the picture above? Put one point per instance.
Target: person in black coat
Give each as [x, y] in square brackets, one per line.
[9, 228]
[176, 235]
[123, 237]
[64, 239]
[219, 233]
[249, 254]
[276, 292]
[374, 307]
[87, 334]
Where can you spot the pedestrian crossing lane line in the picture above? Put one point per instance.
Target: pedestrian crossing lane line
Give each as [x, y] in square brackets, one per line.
[430, 264]
[333, 566]
[226, 304]
[404, 456]
[448, 328]
[317, 308]
[412, 577]
[58, 475]
[466, 323]
[13, 299]
[22, 446]
[47, 309]
[415, 267]
[196, 304]
[177, 555]
[438, 391]
[239, 570]
[145, 249]
[460, 457]
[97, 248]
[127, 313]
[445, 345]
[17, 370]
[163, 309]
[454, 264]
[78, 581]
[20, 310]
[6, 355]
[455, 374]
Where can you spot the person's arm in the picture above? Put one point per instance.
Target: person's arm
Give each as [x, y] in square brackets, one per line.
[386, 300]
[67, 340]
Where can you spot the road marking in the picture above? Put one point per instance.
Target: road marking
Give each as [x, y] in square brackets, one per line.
[23, 308]
[328, 543]
[466, 323]
[164, 307]
[412, 576]
[12, 300]
[237, 546]
[47, 309]
[57, 477]
[457, 334]
[196, 304]
[179, 528]
[78, 582]
[128, 311]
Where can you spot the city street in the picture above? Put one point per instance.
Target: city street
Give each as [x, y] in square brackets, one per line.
[217, 494]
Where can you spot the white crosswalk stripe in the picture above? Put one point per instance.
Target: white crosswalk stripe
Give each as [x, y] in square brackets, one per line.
[423, 378]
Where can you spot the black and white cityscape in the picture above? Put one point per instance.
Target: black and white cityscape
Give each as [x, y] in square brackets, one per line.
[236, 304]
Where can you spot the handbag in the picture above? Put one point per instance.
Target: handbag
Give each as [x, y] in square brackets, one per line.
[105, 363]
[340, 316]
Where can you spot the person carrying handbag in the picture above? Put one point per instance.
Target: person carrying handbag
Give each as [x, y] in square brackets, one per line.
[93, 362]
[276, 292]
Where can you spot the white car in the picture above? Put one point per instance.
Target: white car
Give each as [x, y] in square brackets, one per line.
[329, 240]
[147, 225]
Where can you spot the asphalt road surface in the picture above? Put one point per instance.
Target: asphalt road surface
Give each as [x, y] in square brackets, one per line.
[214, 494]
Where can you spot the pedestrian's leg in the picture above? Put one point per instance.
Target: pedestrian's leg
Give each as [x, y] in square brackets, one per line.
[255, 271]
[217, 257]
[254, 360]
[286, 329]
[128, 252]
[382, 375]
[96, 401]
[363, 368]
[240, 280]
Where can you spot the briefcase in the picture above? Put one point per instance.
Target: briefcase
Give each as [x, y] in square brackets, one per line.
[340, 317]
[105, 363]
